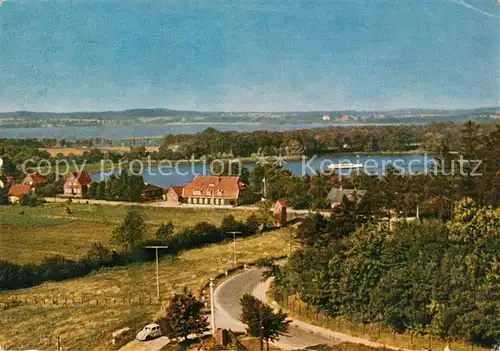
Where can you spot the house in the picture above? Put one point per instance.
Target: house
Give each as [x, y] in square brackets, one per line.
[279, 213]
[17, 191]
[336, 195]
[35, 180]
[77, 184]
[214, 190]
[152, 192]
[5, 182]
[174, 194]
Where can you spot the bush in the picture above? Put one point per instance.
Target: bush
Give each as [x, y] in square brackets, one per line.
[29, 200]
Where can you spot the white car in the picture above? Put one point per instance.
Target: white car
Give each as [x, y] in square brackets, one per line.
[149, 332]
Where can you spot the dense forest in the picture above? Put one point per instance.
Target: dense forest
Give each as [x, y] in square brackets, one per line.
[425, 278]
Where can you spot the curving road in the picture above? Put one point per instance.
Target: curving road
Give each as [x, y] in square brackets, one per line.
[227, 307]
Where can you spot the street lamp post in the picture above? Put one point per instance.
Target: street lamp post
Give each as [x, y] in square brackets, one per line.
[212, 306]
[234, 244]
[157, 268]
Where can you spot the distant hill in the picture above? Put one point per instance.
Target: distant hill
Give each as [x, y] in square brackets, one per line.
[242, 116]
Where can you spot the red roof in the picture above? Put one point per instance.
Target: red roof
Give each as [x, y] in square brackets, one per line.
[177, 190]
[82, 178]
[19, 190]
[281, 202]
[36, 178]
[222, 187]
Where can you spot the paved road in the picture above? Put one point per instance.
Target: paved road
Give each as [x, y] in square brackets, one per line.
[228, 309]
[161, 203]
[300, 334]
[152, 345]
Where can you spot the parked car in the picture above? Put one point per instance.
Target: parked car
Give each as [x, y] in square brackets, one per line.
[149, 332]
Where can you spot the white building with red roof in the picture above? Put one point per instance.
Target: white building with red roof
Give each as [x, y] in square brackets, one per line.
[213, 190]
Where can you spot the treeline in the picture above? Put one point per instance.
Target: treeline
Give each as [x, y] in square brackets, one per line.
[124, 186]
[472, 171]
[129, 237]
[432, 138]
[424, 278]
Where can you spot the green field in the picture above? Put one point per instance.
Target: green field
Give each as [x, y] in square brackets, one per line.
[29, 234]
[89, 326]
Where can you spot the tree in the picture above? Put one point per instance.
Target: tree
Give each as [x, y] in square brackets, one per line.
[183, 316]
[261, 320]
[4, 199]
[98, 252]
[48, 190]
[92, 193]
[265, 215]
[131, 231]
[165, 231]
[101, 190]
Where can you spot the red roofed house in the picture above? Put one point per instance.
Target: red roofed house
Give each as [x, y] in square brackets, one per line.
[213, 190]
[279, 213]
[77, 184]
[174, 194]
[35, 180]
[16, 192]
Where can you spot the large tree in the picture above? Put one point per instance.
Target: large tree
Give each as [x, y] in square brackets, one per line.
[131, 231]
[183, 316]
[262, 321]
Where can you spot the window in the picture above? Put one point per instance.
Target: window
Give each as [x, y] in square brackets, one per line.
[220, 192]
[197, 192]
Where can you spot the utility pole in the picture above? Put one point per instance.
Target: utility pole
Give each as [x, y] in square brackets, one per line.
[264, 190]
[157, 268]
[212, 306]
[234, 245]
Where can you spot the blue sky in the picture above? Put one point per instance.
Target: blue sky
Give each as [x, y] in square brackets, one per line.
[275, 55]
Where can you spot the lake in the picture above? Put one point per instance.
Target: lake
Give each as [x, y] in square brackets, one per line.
[142, 131]
[177, 175]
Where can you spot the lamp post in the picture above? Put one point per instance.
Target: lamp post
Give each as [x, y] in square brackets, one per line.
[157, 268]
[212, 306]
[264, 190]
[234, 245]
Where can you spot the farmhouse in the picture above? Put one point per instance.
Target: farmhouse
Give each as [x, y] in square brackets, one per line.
[174, 194]
[16, 192]
[152, 192]
[213, 190]
[336, 195]
[35, 180]
[77, 184]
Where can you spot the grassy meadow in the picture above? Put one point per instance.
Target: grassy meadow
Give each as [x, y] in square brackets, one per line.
[86, 327]
[29, 234]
